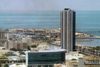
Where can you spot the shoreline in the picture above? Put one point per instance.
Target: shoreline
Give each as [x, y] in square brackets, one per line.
[85, 45]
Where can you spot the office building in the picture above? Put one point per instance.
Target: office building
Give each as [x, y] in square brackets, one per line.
[68, 29]
[45, 58]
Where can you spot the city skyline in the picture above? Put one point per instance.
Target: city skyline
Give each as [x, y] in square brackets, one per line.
[41, 33]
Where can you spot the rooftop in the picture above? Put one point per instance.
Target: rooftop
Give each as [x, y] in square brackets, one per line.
[45, 51]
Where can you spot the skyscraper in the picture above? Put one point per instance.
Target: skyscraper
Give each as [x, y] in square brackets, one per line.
[68, 29]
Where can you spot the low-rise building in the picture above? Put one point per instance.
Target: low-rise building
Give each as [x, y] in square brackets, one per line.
[20, 45]
[17, 65]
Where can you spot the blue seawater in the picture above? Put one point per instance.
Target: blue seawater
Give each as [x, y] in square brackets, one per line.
[46, 19]
[86, 21]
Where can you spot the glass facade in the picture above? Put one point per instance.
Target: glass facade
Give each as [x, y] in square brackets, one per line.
[46, 58]
[41, 66]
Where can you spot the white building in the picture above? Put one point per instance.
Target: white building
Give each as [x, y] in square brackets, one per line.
[17, 65]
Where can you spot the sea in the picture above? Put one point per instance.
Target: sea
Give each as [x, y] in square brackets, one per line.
[86, 22]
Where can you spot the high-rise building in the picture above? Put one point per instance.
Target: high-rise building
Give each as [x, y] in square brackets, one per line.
[2, 35]
[2, 38]
[68, 29]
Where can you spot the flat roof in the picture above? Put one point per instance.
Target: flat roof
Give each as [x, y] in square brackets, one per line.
[47, 51]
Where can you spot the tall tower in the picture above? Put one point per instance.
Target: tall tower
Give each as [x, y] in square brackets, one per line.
[68, 29]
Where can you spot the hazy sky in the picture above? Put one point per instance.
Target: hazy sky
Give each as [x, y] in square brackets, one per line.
[38, 5]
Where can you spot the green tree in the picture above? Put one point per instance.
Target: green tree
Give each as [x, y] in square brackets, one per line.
[0, 64]
[34, 46]
[10, 54]
[97, 47]
[13, 49]
[3, 57]
[21, 52]
[6, 65]
[28, 47]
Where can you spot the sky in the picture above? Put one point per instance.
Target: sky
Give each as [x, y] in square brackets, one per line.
[45, 5]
